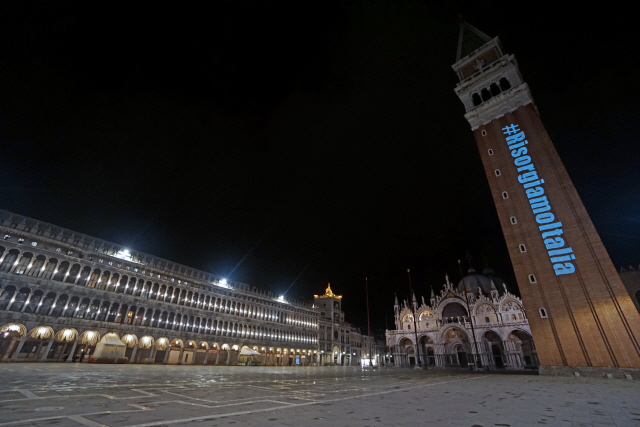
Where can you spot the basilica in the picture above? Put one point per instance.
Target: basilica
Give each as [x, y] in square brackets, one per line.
[476, 322]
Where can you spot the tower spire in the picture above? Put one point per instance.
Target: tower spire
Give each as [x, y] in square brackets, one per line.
[469, 39]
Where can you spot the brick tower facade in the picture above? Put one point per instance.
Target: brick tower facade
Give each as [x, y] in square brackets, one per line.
[579, 311]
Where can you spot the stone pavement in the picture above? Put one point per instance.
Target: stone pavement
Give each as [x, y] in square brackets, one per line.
[77, 395]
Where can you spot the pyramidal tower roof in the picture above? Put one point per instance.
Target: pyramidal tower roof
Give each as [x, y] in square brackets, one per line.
[470, 39]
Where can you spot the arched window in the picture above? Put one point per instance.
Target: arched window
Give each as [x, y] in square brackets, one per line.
[485, 94]
[504, 84]
[523, 249]
[83, 308]
[476, 99]
[36, 267]
[84, 276]
[486, 320]
[61, 271]
[543, 312]
[532, 278]
[24, 263]
[59, 307]
[71, 307]
[9, 259]
[47, 301]
[495, 90]
[93, 280]
[74, 274]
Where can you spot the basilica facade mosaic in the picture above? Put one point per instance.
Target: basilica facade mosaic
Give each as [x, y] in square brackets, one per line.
[65, 296]
[476, 322]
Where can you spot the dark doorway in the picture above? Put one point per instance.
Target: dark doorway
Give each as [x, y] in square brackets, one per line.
[462, 358]
[432, 358]
[497, 356]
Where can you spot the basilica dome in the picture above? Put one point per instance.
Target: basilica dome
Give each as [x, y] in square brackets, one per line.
[500, 284]
[474, 281]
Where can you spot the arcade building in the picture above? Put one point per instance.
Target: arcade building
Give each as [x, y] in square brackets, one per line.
[66, 296]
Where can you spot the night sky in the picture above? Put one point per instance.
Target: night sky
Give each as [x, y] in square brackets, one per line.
[321, 142]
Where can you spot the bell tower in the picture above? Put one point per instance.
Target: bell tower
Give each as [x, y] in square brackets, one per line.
[579, 311]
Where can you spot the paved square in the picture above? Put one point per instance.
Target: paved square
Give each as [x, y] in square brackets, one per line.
[150, 395]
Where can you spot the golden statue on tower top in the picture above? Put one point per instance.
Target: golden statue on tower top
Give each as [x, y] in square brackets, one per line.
[328, 293]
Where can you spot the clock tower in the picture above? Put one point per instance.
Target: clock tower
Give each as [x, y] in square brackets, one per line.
[579, 311]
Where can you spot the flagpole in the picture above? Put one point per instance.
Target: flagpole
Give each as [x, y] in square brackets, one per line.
[413, 310]
[366, 288]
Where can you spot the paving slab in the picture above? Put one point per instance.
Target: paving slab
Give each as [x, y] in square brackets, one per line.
[152, 395]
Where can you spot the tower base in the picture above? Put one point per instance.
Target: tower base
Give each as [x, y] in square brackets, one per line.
[589, 371]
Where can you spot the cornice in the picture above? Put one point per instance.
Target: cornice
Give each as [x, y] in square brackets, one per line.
[499, 105]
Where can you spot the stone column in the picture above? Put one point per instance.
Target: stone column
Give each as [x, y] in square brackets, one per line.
[218, 357]
[133, 354]
[181, 355]
[509, 348]
[228, 357]
[42, 268]
[152, 356]
[73, 349]
[26, 303]
[65, 345]
[55, 301]
[166, 355]
[18, 348]
[206, 356]
[10, 347]
[37, 352]
[195, 353]
[46, 353]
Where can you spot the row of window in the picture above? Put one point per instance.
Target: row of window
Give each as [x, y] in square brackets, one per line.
[125, 255]
[62, 305]
[39, 266]
[101, 261]
[494, 89]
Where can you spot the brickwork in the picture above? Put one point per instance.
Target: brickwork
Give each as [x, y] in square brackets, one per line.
[587, 317]
[591, 319]
[631, 279]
